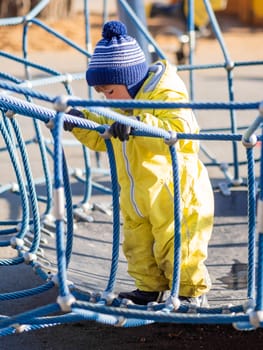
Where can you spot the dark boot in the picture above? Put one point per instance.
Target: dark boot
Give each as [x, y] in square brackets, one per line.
[142, 298]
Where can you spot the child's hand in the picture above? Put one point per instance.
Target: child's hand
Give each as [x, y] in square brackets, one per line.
[68, 126]
[121, 131]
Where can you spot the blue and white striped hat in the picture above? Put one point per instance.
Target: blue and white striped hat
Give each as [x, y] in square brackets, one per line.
[117, 58]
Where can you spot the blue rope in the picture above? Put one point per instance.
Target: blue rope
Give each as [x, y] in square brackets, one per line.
[46, 170]
[116, 218]
[259, 296]
[59, 206]
[31, 189]
[164, 105]
[251, 225]
[24, 199]
[69, 215]
[177, 224]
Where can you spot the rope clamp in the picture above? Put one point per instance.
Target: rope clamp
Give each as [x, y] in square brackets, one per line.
[59, 205]
[28, 84]
[50, 124]
[29, 257]
[108, 297]
[16, 242]
[173, 138]
[259, 216]
[230, 65]
[10, 114]
[68, 78]
[250, 142]
[121, 322]
[20, 328]
[106, 135]
[61, 103]
[174, 301]
[65, 302]
[256, 318]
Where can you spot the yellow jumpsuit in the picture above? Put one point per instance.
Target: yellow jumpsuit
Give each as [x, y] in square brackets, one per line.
[146, 191]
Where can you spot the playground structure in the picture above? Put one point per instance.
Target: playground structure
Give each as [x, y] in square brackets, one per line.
[20, 98]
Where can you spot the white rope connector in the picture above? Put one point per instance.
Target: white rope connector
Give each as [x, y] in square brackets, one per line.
[109, 297]
[20, 328]
[28, 84]
[59, 203]
[15, 187]
[237, 182]
[50, 124]
[29, 257]
[184, 39]
[60, 103]
[121, 322]
[230, 65]
[26, 19]
[16, 242]
[224, 166]
[48, 219]
[260, 216]
[86, 207]
[19, 226]
[89, 46]
[192, 39]
[78, 172]
[256, 317]
[68, 78]
[10, 114]
[151, 305]
[173, 138]
[106, 135]
[66, 302]
[173, 301]
[251, 142]
[125, 302]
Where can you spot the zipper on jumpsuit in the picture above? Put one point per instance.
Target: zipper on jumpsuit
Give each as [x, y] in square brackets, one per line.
[132, 185]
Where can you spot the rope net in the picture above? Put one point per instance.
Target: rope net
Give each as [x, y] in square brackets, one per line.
[56, 196]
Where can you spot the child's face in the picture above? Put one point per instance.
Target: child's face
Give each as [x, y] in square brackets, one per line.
[113, 92]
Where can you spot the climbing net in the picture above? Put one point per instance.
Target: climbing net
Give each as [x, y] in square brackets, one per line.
[20, 101]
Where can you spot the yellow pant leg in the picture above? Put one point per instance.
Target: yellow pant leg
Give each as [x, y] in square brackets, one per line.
[138, 250]
[196, 228]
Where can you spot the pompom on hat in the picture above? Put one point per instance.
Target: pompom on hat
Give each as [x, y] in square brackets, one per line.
[117, 58]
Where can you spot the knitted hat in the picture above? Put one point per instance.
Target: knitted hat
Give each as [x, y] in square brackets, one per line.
[117, 58]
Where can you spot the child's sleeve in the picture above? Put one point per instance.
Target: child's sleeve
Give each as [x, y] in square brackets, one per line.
[91, 138]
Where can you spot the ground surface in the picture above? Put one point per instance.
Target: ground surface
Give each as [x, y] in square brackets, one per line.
[90, 335]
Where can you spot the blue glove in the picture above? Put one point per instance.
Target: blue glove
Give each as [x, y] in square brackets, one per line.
[121, 131]
[68, 126]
